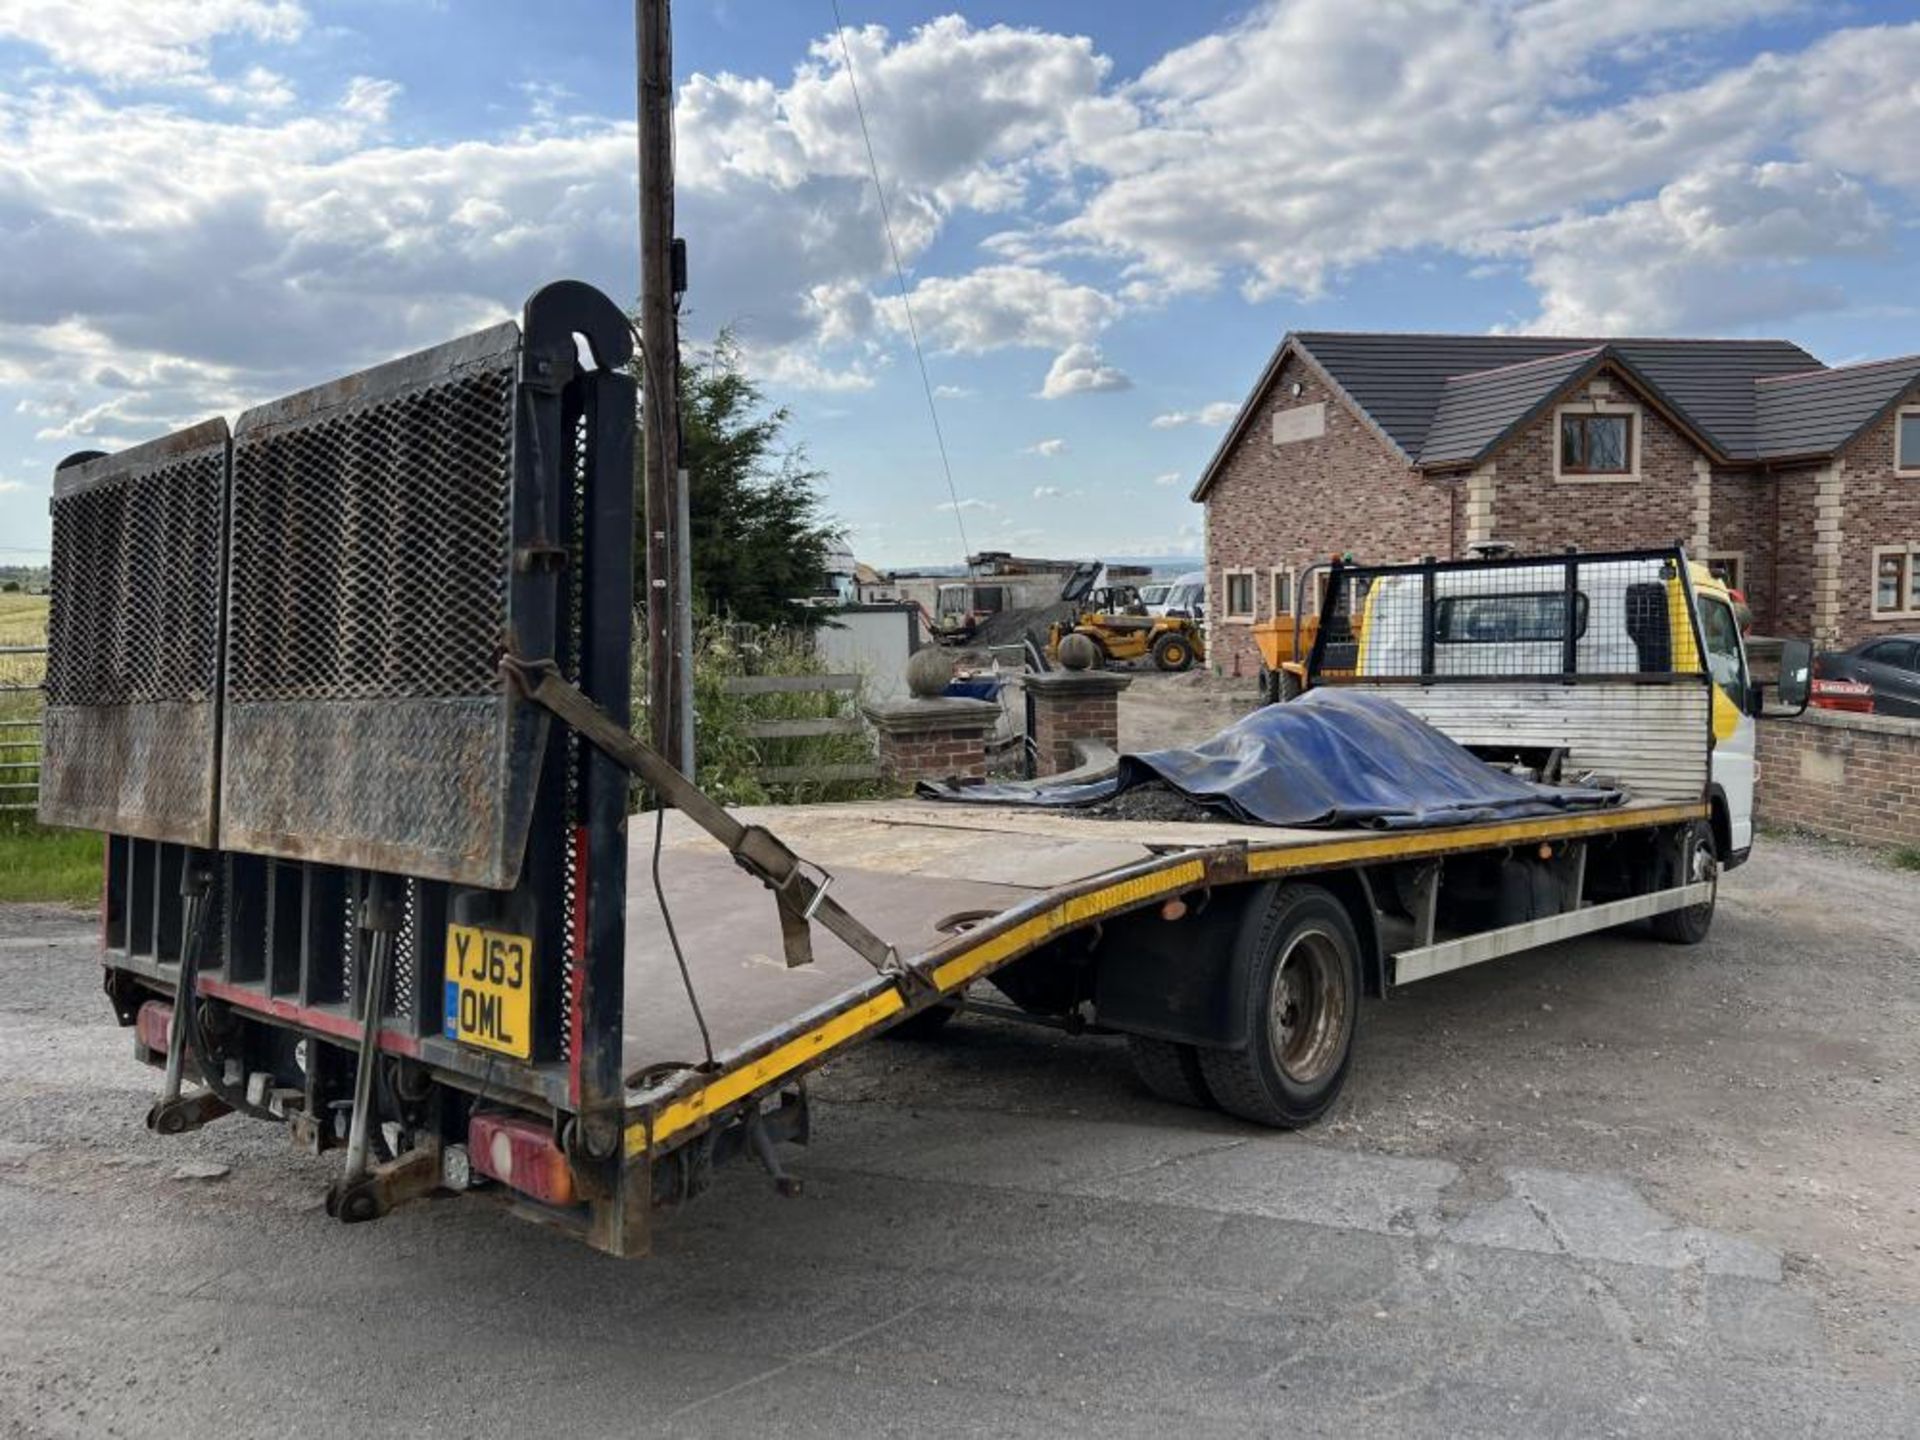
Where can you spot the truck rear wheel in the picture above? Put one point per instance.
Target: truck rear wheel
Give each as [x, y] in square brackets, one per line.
[1302, 997]
[1700, 861]
[1170, 1071]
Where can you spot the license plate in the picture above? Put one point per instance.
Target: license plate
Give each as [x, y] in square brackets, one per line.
[490, 990]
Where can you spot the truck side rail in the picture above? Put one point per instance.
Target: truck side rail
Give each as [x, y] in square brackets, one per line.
[670, 1111]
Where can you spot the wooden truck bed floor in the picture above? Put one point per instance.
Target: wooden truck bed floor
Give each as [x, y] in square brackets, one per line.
[905, 866]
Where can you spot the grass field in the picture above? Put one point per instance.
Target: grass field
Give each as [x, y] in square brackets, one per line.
[23, 619]
[62, 866]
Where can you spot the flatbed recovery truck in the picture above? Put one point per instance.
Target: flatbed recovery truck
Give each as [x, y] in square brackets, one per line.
[346, 688]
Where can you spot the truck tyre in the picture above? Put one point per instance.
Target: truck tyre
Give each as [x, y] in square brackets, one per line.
[1701, 862]
[1173, 652]
[1287, 686]
[1302, 997]
[1170, 1071]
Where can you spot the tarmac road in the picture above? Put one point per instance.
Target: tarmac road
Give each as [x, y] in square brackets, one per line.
[1616, 1189]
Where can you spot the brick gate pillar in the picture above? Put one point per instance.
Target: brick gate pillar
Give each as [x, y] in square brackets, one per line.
[1068, 705]
[933, 739]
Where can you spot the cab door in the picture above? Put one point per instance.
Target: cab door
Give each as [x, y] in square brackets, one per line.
[1734, 737]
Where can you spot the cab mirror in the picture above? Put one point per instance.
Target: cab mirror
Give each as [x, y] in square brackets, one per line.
[1796, 674]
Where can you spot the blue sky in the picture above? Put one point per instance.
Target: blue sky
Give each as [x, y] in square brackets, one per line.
[1109, 212]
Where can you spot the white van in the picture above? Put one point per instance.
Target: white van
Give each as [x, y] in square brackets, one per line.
[1186, 596]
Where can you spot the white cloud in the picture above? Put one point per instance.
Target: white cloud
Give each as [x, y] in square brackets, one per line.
[1003, 305]
[1047, 449]
[953, 392]
[1711, 252]
[968, 504]
[1079, 370]
[147, 42]
[1167, 477]
[1219, 412]
[1453, 127]
[1047, 492]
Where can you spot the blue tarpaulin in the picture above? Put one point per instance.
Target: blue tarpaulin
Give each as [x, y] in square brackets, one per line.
[1329, 758]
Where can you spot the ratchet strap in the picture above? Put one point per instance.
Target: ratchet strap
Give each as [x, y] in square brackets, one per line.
[799, 887]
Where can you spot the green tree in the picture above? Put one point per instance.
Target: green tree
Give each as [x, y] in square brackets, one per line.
[760, 535]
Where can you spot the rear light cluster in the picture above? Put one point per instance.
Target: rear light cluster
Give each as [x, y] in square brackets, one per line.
[520, 1153]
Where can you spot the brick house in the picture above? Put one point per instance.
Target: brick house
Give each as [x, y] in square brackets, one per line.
[1801, 482]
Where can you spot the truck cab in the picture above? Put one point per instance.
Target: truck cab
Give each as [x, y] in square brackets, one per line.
[1566, 617]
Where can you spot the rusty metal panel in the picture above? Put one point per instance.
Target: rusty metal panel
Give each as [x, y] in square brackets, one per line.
[372, 589]
[133, 639]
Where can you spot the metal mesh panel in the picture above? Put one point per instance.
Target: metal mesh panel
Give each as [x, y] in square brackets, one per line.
[134, 639]
[369, 548]
[1559, 617]
[370, 597]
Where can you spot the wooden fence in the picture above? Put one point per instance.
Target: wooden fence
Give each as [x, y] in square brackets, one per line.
[807, 728]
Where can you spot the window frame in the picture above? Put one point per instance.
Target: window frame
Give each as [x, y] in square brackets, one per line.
[1446, 606]
[1904, 597]
[1274, 575]
[1598, 410]
[1227, 612]
[1900, 418]
[1738, 695]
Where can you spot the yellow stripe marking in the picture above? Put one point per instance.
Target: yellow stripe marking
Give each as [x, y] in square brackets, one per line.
[1412, 843]
[995, 949]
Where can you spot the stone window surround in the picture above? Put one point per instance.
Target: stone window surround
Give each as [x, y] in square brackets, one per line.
[1635, 430]
[1901, 416]
[1273, 595]
[1235, 617]
[1910, 553]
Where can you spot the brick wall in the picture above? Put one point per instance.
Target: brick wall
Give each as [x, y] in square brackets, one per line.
[1741, 522]
[1071, 712]
[1540, 514]
[1879, 508]
[959, 754]
[1793, 556]
[1853, 777]
[1299, 502]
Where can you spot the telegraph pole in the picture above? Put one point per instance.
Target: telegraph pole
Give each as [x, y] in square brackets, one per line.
[669, 677]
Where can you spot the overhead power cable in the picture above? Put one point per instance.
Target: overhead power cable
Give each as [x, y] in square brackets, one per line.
[900, 276]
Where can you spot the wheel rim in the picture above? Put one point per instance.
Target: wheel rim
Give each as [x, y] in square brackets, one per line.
[1307, 1007]
[1703, 863]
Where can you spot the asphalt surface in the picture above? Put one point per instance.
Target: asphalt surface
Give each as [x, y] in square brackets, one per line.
[1614, 1189]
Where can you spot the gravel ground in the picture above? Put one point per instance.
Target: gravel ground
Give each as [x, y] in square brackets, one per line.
[1617, 1188]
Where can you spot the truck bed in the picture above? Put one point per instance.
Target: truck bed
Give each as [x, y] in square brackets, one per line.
[904, 867]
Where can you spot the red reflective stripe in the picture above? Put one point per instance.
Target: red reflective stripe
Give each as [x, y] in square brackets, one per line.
[343, 1026]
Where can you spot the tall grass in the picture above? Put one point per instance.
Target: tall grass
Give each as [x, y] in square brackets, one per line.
[727, 758]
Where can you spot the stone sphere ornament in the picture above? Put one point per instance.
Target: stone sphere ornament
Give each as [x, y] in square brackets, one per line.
[929, 670]
[1078, 652]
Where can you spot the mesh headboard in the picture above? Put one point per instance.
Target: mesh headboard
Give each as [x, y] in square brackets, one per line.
[133, 639]
[373, 588]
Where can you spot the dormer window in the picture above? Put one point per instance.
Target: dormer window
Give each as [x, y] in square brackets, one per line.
[1596, 444]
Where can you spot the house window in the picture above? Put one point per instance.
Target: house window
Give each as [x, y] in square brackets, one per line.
[1593, 444]
[1907, 439]
[1239, 595]
[1896, 580]
[1728, 568]
[1282, 581]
